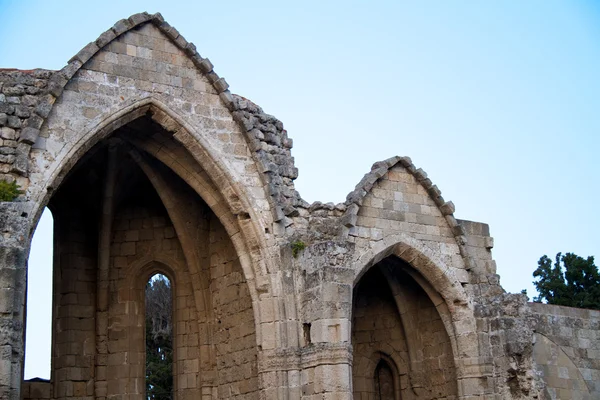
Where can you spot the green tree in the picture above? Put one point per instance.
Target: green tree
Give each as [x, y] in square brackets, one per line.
[571, 281]
[159, 339]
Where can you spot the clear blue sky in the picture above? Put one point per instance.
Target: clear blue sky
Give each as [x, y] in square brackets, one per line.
[498, 102]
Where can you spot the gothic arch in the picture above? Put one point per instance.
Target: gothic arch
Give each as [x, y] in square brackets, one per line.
[439, 278]
[367, 369]
[236, 105]
[136, 281]
[436, 299]
[382, 359]
[422, 259]
[439, 284]
[59, 80]
[145, 267]
[238, 217]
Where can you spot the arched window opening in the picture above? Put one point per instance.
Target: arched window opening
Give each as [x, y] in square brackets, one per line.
[38, 333]
[384, 382]
[159, 338]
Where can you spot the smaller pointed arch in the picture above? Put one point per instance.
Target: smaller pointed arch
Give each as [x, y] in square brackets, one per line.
[386, 379]
[354, 200]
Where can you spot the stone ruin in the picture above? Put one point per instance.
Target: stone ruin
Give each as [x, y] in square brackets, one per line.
[150, 164]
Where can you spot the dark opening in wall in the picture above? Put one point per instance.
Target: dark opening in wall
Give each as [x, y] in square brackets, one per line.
[306, 332]
[384, 382]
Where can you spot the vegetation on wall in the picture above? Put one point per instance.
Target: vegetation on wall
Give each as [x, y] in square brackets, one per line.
[9, 191]
[571, 281]
[297, 247]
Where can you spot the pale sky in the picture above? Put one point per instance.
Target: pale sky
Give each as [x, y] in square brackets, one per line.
[497, 101]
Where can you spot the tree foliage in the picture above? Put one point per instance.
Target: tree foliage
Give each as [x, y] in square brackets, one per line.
[571, 281]
[159, 339]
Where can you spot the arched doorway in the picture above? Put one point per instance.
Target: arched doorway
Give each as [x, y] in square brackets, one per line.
[401, 346]
[122, 210]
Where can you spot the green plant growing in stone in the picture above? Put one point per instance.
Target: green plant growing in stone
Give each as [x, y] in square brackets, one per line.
[297, 247]
[9, 190]
[572, 281]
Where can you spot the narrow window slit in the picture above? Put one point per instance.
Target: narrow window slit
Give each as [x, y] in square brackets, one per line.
[159, 338]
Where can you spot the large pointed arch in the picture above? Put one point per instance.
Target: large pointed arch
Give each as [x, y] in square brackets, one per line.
[231, 178]
[190, 172]
[59, 80]
[244, 112]
[238, 217]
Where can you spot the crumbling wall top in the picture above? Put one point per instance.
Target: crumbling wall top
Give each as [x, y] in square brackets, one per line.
[23, 107]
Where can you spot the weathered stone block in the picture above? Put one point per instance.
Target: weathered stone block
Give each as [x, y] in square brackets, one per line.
[8, 133]
[29, 135]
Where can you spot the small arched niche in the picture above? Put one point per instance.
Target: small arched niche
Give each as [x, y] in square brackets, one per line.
[401, 345]
[386, 381]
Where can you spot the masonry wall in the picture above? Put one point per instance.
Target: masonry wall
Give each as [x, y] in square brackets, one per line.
[73, 335]
[567, 351]
[20, 94]
[434, 371]
[31, 390]
[235, 334]
[398, 205]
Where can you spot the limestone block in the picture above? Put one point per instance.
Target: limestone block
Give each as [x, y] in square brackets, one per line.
[330, 331]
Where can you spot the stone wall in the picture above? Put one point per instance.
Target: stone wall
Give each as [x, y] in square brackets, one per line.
[73, 354]
[36, 390]
[13, 285]
[24, 103]
[398, 204]
[235, 346]
[567, 351]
